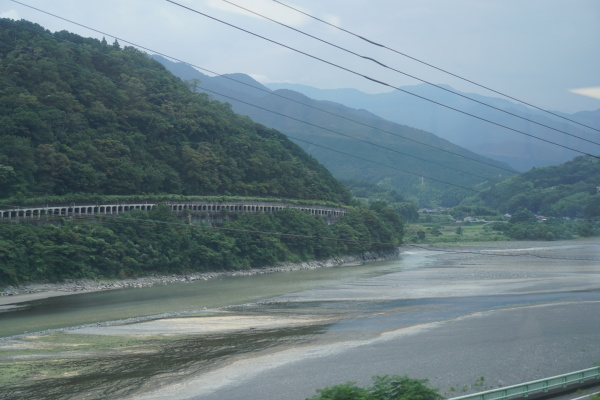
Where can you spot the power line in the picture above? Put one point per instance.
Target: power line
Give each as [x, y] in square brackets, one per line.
[241, 82]
[346, 135]
[408, 75]
[261, 108]
[253, 105]
[244, 102]
[144, 222]
[374, 80]
[385, 165]
[251, 232]
[433, 66]
[117, 59]
[143, 90]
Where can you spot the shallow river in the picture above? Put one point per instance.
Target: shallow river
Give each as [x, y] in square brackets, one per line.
[88, 308]
[350, 307]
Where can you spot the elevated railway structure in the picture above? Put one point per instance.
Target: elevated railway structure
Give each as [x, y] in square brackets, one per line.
[204, 211]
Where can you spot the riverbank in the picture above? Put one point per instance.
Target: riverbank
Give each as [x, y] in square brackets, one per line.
[521, 320]
[35, 291]
[449, 314]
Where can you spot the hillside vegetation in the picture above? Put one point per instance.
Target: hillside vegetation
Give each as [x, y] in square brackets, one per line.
[100, 119]
[566, 190]
[84, 120]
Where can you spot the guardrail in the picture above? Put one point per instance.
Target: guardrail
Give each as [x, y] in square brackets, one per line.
[539, 386]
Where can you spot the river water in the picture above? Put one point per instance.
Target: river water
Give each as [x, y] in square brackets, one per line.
[88, 308]
[360, 303]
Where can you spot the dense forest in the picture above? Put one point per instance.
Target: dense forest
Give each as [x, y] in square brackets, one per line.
[85, 120]
[139, 243]
[567, 190]
[80, 115]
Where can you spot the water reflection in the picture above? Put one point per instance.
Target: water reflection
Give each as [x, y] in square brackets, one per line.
[87, 308]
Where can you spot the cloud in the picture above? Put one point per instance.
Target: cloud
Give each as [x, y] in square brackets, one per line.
[589, 92]
[261, 78]
[12, 14]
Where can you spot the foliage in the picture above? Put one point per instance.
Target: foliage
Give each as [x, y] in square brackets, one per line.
[140, 243]
[80, 116]
[566, 190]
[372, 192]
[384, 388]
[523, 227]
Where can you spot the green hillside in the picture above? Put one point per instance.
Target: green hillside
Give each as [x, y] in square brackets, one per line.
[566, 190]
[100, 119]
[82, 120]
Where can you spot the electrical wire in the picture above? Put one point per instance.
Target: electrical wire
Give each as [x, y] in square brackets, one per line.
[348, 136]
[374, 80]
[271, 111]
[433, 66]
[409, 75]
[253, 232]
[251, 104]
[483, 193]
[145, 222]
[145, 91]
[241, 82]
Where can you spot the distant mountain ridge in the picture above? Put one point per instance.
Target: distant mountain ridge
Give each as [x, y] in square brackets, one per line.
[519, 151]
[352, 157]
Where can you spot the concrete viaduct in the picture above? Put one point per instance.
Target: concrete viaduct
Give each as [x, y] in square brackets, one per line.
[205, 211]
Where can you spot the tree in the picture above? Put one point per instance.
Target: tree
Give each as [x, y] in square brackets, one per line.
[522, 215]
[384, 388]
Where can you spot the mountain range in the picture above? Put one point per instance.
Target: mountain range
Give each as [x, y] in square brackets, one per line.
[520, 151]
[353, 143]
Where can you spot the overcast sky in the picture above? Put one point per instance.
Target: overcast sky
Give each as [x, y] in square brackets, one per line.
[537, 50]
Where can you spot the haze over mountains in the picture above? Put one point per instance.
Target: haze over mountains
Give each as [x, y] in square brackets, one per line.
[519, 151]
[351, 143]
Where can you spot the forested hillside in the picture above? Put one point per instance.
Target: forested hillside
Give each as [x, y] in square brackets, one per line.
[82, 119]
[100, 119]
[567, 190]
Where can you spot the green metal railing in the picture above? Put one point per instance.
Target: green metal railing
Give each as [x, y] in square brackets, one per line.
[541, 385]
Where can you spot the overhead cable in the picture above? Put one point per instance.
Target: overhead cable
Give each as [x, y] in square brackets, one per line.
[271, 111]
[375, 80]
[244, 83]
[220, 94]
[409, 75]
[434, 67]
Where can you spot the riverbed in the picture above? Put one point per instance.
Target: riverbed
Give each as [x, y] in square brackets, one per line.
[506, 312]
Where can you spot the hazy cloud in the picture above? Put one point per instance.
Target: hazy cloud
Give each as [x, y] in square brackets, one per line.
[590, 92]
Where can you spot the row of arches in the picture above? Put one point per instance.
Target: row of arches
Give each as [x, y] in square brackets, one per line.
[113, 209]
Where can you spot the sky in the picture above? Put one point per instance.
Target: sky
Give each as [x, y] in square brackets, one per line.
[544, 52]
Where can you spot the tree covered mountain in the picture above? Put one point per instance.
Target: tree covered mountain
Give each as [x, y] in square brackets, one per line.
[82, 118]
[520, 151]
[80, 115]
[570, 190]
[355, 144]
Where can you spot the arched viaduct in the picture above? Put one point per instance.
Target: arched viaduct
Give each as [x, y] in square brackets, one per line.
[206, 211]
